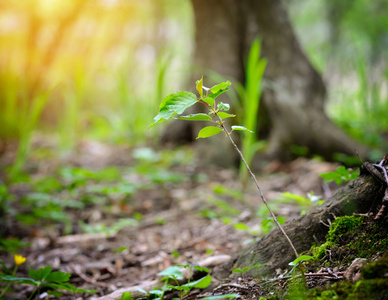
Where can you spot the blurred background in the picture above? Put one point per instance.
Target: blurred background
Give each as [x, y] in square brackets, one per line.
[98, 69]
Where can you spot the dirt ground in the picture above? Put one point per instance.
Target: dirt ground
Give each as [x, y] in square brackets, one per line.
[186, 216]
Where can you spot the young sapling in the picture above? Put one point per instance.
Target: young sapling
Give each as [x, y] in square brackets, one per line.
[175, 104]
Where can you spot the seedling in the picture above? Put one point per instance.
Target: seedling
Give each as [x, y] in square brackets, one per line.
[298, 263]
[246, 269]
[173, 274]
[43, 278]
[175, 104]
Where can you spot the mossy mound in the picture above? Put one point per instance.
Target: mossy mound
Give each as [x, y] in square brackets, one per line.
[349, 237]
[352, 237]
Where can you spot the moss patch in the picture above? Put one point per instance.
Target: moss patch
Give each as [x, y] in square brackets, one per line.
[349, 237]
[353, 237]
[364, 289]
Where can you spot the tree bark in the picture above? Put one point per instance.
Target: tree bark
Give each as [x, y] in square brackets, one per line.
[293, 100]
[359, 196]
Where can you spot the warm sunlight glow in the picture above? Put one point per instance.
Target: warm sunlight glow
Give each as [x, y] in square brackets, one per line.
[55, 7]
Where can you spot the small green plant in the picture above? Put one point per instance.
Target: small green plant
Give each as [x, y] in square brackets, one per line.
[246, 269]
[250, 98]
[307, 202]
[340, 175]
[268, 224]
[30, 112]
[42, 278]
[171, 277]
[109, 230]
[11, 245]
[175, 104]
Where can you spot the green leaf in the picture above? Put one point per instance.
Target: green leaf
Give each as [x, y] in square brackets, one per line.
[175, 254]
[177, 288]
[208, 100]
[202, 269]
[41, 274]
[237, 270]
[241, 226]
[220, 86]
[200, 284]
[54, 293]
[172, 271]
[214, 96]
[241, 128]
[224, 115]
[19, 280]
[246, 269]
[58, 277]
[141, 291]
[208, 131]
[126, 296]
[156, 292]
[258, 266]
[340, 175]
[67, 286]
[174, 104]
[223, 106]
[300, 258]
[196, 117]
[199, 84]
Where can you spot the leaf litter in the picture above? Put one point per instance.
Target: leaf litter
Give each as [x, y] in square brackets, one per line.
[114, 219]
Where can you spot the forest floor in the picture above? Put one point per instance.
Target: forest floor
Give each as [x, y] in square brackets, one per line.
[114, 217]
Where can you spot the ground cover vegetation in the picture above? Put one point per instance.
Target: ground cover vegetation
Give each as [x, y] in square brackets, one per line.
[91, 204]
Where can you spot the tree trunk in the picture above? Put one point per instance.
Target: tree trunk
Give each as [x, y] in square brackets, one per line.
[361, 195]
[293, 100]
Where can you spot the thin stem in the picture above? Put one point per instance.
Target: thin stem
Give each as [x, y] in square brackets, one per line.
[258, 187]
[9, 283]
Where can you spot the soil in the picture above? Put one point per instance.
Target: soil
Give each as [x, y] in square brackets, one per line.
[166, 211]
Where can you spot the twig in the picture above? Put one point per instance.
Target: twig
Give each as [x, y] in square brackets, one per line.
[86, 278]
[333, 276]
[231, 285]
[258, 187]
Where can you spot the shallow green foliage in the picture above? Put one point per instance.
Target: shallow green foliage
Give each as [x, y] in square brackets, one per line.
[250, 101]
[307, 202]
[268, 224]
[340, 175]
[126, 296]
[246, 269]
[174, 273]
[45, 278]
[11, 245]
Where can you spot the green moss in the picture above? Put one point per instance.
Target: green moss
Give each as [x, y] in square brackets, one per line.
[376, 269]
[320, 251]
[365, 289]
[343, 225]
[351, 237]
